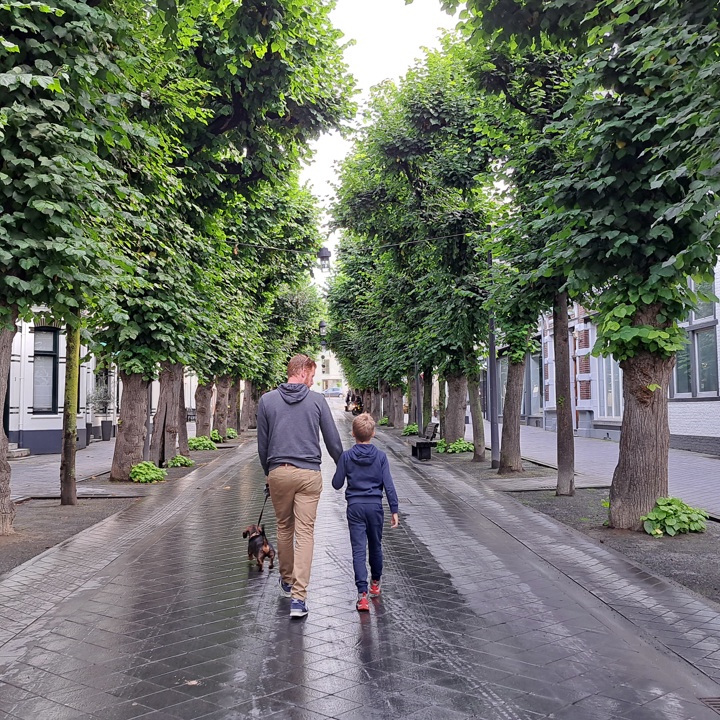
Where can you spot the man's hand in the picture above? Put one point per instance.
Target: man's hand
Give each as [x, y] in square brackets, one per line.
[395, 520]
[266, 492]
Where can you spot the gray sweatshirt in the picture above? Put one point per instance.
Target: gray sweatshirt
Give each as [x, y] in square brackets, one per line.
[289, 420]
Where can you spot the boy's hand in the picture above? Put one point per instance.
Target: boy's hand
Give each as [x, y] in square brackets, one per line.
[395, 520]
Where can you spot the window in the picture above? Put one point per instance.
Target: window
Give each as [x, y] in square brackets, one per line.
[536, 382]
[696, 365]
[610, 381]
[45, 371]
[683, 375]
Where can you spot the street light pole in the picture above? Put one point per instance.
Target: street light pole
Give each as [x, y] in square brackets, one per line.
[322, 329]
[492, 388]
[418, 400]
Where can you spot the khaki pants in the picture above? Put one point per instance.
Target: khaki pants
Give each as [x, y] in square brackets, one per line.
[295, 494]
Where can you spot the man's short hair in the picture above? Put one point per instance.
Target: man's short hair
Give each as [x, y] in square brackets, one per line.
[299, 364]
[363, 427]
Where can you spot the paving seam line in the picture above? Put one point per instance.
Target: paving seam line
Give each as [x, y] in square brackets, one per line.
[122, 544]
[610, 603]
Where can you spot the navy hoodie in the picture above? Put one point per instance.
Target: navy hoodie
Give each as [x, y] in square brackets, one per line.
[289, 421]
[368, 473]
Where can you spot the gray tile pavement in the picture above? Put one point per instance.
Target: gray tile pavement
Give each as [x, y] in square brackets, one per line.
[489, 610]
[39, 475]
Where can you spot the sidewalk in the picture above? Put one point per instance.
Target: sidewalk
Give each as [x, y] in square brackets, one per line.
[693, 477]
[39, 475]
[488, 611]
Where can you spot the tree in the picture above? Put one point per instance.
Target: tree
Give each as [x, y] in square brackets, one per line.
[631, 208]
[410, 190]
[534, 83]
[260, 96]
[638, 222]
[59, 183]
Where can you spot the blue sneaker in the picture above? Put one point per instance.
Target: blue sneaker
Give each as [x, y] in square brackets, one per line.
[285, 589]
[298, 608]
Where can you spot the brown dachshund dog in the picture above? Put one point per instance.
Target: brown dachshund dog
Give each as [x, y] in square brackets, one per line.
[259, 546]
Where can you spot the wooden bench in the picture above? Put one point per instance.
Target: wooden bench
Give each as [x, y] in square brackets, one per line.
[421, 446]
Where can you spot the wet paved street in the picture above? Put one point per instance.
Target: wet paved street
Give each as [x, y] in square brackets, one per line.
[488, 611]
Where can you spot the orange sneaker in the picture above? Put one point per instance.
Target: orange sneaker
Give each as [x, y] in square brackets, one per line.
[374, 588]
[362, 603]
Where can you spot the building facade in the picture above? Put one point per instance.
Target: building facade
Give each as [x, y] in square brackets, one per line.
[34, 403]
[32, 415]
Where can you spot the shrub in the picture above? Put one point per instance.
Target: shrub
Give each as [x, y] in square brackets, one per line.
[201, 443]
[180, 461]
[231, 434]
[147, 472]
[383, 421]
[411, 429]
[460, 446]
[215, 437]
[673, 516]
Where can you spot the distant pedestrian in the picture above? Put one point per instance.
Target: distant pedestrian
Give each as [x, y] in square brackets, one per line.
[289, 422]
[368, 475]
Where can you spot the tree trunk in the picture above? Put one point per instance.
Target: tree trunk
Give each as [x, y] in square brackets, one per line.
[183, 448]
[232, 417]
[203, 412]
[427, 395]
[510, 460]
[7, 506]
[442, 405]
[376, 404]
[390, 407]
[565, 434]
[396, 403]
[367, 401]
[478, 424]
[384, 400]
[249, 408]
[131, 426]
[457, 404]
[163, 445]
[221, 404]
[641, 475]
[68, 488]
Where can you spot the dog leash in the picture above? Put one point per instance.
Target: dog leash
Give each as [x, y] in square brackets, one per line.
[267, 495]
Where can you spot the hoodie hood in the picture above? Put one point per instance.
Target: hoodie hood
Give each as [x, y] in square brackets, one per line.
[363, 454]
[293, 393]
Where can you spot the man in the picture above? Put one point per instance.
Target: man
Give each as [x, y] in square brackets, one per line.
[289, 421]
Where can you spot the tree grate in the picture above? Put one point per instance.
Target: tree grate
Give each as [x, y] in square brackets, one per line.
[712, 703]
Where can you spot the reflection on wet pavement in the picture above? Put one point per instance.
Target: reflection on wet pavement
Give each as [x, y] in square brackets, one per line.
[471, 623]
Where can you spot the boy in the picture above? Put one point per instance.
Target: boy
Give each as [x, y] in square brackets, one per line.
[367, 472]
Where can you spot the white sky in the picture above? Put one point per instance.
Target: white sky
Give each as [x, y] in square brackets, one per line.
[389, 35]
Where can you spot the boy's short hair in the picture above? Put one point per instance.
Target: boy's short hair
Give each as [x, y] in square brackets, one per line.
[363, 427]
[299, 364]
